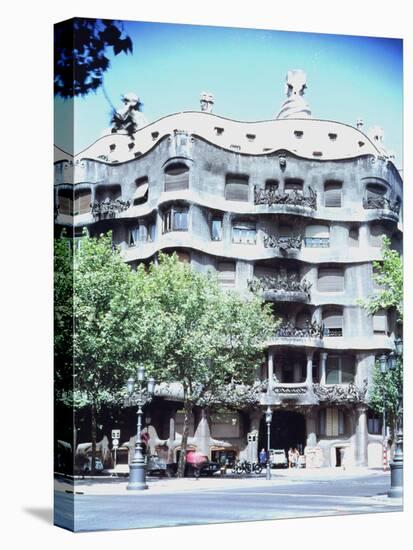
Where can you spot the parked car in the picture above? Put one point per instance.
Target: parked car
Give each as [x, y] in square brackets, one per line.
[155, 466]
[278, 458]
[86, 467]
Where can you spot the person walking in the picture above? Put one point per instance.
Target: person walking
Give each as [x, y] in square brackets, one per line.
[290, 457]
[262, 457]
[296, 458]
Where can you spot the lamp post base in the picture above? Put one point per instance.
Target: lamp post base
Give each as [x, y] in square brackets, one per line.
[396, 470]
[268, 474]
[137, 478]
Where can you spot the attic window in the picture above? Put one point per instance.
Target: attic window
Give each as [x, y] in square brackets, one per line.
[112, 147]
[267, 149]
[361, 143]
[317, 153]
[333, 137]
[251, 137]
[155, 135]
[131, 145]
[138, 154]
[236, 147]
[218, 131]
[298, 134]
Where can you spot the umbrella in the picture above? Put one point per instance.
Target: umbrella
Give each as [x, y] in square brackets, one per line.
[195, 458]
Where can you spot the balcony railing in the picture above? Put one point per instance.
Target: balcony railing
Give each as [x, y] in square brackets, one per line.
[109, 208]
[383, 203]
[284, 244]
[272, 197]
[337, 393]
[277, 284]
[310, 330]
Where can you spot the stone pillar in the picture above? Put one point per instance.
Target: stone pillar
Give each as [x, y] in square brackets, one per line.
[361, 436]
[309, 373]
[323, 361]
[364, 240]
[310, 423]
[270, 369]
[252, 437]
[171, 439]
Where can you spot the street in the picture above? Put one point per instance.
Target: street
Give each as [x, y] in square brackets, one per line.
[217, 505]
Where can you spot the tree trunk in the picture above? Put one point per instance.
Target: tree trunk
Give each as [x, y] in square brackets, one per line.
[94, 435]
[185, 432]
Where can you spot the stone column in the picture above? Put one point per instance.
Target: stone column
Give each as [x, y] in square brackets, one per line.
[310, 422]
[361, 436]
[309, 373]
[270, 369]
[323, 361]
[364, 236]
[252, 436]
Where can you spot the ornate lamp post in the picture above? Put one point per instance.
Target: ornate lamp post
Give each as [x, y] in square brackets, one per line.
[140, 395]
[388, 362]
[268, 419]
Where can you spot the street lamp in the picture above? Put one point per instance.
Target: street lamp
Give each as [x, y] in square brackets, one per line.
[139, 394]
[268, 419]
[389, 362]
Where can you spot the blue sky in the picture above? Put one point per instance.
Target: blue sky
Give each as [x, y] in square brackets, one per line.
[348, 77]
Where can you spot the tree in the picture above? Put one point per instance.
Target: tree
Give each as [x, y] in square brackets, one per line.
[215, 338]
[80, 59]
[388, 387]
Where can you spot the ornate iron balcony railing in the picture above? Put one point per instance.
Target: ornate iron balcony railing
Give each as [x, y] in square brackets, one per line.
[293, 198]
[277, 284]
[337, 393]
[373, 203]
[283, 243]
[310, 330]
[109, 208]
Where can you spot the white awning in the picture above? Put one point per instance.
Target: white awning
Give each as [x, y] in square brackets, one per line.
[141, 191]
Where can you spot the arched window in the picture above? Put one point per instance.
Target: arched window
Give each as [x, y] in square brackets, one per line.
[317, 236]
[236, 188]
[176, 176]
[333, 322]
[374, 190]
[293, 184]
[332, 194]
[140, 195]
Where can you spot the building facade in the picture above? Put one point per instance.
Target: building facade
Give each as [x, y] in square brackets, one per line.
[293, 207]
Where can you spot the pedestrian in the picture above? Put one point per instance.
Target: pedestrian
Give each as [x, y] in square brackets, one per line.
[290, 457]
[262, 457]
[297, 457]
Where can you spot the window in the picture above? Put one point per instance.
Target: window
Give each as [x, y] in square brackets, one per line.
[271, 186]
[82, 201]
[303, 319]
[330, 279]
[333, 322]
[374, 272]
[293, 184]
[380, 325]
[375, 190]
[226, 273]
[353, 236]
[332, 136]
[66, 203]
[216, 229]
[183, 256]
[317, 236]
[332, 194]
[108, 192]
[218, 131]
[377, 232]
[175, 219]
[331, 422]
[339, 369]
[262, 271]
[374, 423]
[176, 176]
[298, 133]
[141, 192]
[244, 233]
[138, 234]
[236, 188]
[250, 137]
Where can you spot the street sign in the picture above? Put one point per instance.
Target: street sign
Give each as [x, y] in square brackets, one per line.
[115, 442]
[115, 434]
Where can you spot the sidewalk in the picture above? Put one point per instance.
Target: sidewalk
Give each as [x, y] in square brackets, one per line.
[117, 486]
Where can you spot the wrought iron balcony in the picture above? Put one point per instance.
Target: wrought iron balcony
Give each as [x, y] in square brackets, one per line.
[336, 393]
[272, 197]
[383, 203]
[109, 208]
[279, 286]
[284, 244]
[309, 330]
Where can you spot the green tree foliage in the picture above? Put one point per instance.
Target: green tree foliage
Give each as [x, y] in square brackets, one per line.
[215, 338]
[389, 278]
[388, 387]
[80, 59]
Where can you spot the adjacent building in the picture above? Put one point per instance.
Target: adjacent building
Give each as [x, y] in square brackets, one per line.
[294, 207]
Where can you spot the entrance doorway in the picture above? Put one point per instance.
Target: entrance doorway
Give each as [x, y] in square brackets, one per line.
[339, 456]
[287, 430]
